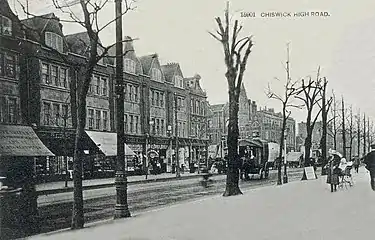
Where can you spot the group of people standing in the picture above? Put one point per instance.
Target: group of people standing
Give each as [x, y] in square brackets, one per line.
[338, 166]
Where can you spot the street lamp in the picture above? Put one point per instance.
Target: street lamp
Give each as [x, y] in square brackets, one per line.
[148, 136]
[176, 135]
[221, 148]
[169, 133]
[285, 177]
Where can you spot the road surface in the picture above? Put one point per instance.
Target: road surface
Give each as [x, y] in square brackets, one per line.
[55, 210]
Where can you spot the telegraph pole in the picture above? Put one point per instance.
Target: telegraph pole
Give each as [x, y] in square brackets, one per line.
[121, 207]
[176, 129]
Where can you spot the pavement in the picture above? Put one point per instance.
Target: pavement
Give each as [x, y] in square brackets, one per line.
[295, 211]
[107, 181]
[49, 187]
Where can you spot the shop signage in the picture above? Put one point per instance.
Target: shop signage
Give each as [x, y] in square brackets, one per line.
[135, 147]
[310, 173]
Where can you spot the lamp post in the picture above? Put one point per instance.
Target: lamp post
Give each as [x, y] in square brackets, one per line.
[169, 133]
[221, 147]
[178, 175]
[285, 177]
[151, 128]
[121, 183]
[145, 162]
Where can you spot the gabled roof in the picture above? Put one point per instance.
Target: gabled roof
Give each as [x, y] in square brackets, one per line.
[196, 87]
[128, 53]
[6, 11]
[36, 26]
[217, 107]
[146, 62]
[169, 71]
[79, 43]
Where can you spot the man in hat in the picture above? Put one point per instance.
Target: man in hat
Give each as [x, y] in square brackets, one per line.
[369, 160]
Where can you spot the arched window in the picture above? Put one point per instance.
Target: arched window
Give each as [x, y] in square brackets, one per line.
[54, 41]
[5, 26]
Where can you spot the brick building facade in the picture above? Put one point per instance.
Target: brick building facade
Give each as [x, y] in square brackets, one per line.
[251, 122]
[40, 91]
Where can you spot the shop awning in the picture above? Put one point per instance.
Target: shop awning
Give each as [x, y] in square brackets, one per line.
[21, 141]
[248, 142]
[293, 156]
[107, 143]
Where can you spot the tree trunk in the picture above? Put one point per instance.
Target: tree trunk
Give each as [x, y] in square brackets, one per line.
[83, 82]
[343, 130]
[364, 135]
[359, 135]
[324, 145]
[232, 187]
[308, 148]
[77, 216]
[334, 124]
[279, 182]
[323, 141]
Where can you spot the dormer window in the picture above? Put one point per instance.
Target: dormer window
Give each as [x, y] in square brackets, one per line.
[54, 41]
[179, 81]
[5, 26]
[129, 65]
[156, 74]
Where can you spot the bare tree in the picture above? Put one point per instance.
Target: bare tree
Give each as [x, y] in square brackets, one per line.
[352, 131]
[290, 90]
[364, 134]
[310, 92]
[343, 128]
[325, 106]
[358, 120]
[336, 124]
[236, 53]
[369, 129]
[89, 19]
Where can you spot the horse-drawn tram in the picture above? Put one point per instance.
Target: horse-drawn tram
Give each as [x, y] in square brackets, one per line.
[257, 157]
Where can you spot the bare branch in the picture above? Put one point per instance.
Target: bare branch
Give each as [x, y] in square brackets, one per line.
[214, 36]
[45, 17]
[128, 7]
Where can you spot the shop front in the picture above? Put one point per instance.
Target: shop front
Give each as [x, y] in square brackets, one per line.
[61, 143]
[158, 155]
[104, 157]
[19, 147]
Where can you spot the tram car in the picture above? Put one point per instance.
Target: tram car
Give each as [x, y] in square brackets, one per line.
[258, 156]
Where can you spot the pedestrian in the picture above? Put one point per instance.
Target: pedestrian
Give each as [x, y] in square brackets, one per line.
[333, 172]
[369, 160]
[356, 164]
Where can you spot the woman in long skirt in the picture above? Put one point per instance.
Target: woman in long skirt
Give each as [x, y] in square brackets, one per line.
[333, 172]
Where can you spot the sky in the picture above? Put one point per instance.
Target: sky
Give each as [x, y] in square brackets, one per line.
[342, 44]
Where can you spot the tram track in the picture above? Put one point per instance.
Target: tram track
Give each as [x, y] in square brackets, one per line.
[57, 215]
